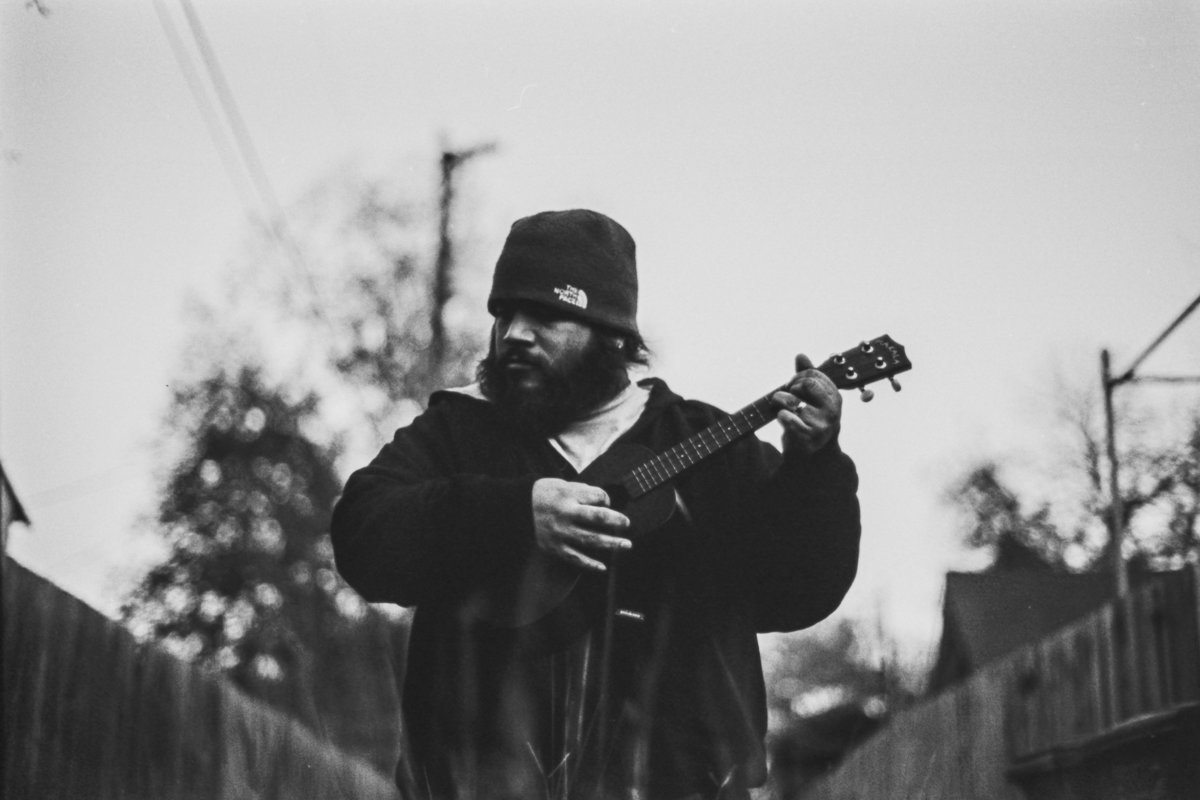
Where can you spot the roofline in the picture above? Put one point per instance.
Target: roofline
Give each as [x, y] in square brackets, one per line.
[19, 514]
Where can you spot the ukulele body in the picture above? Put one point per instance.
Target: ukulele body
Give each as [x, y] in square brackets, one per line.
[560, 598]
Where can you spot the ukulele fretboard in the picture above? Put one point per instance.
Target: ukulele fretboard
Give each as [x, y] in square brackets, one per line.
[852, 369]
[699, 446]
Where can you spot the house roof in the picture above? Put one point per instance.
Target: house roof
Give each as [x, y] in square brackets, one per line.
[18, 511]
[987, 615]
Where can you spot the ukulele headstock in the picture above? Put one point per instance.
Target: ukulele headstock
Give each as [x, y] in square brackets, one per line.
[875, 360]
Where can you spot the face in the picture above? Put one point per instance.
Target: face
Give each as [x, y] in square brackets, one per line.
[547, 369]
[532, 342]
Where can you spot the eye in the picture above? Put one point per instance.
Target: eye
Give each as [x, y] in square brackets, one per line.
[543, 315]
[504, 312]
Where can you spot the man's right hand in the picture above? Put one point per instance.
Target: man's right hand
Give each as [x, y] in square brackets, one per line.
[569, 517]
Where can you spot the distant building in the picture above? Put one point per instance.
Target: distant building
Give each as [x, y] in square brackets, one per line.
[987, 615]
[11, 510]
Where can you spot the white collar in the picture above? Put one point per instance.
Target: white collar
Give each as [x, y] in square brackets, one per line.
[584, 440]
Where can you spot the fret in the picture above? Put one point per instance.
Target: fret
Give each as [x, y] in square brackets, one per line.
[697, 447]
[722, 435]
[853, 369]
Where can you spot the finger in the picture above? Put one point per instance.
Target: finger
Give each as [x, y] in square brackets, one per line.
[801, 438]
[803, 362]
[599, 541]
[814, 388]
[795, 425]
[573, 556]
[589, 495]
[787, 401]
[597, 518]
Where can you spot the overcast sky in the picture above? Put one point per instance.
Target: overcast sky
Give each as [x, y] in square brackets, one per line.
[1004, 187]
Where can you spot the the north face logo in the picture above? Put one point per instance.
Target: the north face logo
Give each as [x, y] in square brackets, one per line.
[573, 295]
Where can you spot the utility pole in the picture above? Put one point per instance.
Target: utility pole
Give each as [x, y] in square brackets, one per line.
[1116, 505]
[442, 275]
[1116, 508]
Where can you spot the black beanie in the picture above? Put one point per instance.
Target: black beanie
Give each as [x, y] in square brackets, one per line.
[579, 262]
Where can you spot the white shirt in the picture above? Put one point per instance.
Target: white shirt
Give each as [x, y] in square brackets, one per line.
[583, 441]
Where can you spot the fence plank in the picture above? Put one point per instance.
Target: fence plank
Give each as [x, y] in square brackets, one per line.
[88, 712]
[1136, 657]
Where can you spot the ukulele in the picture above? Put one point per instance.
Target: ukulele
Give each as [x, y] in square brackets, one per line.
[550, 593]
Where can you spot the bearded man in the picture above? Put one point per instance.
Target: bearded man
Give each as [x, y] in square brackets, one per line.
[555, 651]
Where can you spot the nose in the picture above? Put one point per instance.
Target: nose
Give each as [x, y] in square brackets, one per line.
[519, 327]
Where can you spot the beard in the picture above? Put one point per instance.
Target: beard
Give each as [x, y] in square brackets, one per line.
[566, 393]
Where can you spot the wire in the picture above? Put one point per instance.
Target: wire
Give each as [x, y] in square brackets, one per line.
[233, 116]
[1128, 374]
[241, 159]
[212, 121]
[243, 145]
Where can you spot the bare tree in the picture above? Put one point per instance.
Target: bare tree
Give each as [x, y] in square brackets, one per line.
[1159, 464]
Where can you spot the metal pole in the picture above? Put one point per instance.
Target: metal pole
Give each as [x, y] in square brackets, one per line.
[442, 278]
[1116, 508]
[441, 270]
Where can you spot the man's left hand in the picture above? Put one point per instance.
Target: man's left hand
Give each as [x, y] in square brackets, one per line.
[810, 410]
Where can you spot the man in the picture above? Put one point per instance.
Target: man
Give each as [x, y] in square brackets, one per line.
[555, 651]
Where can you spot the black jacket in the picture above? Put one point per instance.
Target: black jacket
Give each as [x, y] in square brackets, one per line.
[763, 543]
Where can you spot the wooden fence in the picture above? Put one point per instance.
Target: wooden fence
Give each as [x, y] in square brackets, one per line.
[1108, 707]
[90, 712]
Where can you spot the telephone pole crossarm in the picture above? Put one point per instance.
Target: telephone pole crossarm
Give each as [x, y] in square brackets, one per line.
[1165, 379]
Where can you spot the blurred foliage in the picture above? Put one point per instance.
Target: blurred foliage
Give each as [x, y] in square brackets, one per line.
[249, 476]
[813, 670]
[833, 663]
[826, 692]
[995, 517]
[1061, 520]
[344, 307]
[249, 587]
[323, 339]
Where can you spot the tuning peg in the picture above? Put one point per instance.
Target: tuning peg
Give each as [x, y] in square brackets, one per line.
[866, 394]
[895, 384]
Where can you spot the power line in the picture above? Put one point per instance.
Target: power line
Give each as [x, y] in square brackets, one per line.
[1128, 374]
[212, 120]
[233, 116]
[275, 220]
[241, 159]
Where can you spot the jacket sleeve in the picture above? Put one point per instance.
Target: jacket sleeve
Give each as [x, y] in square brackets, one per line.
[410, 529]
[799, 554]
